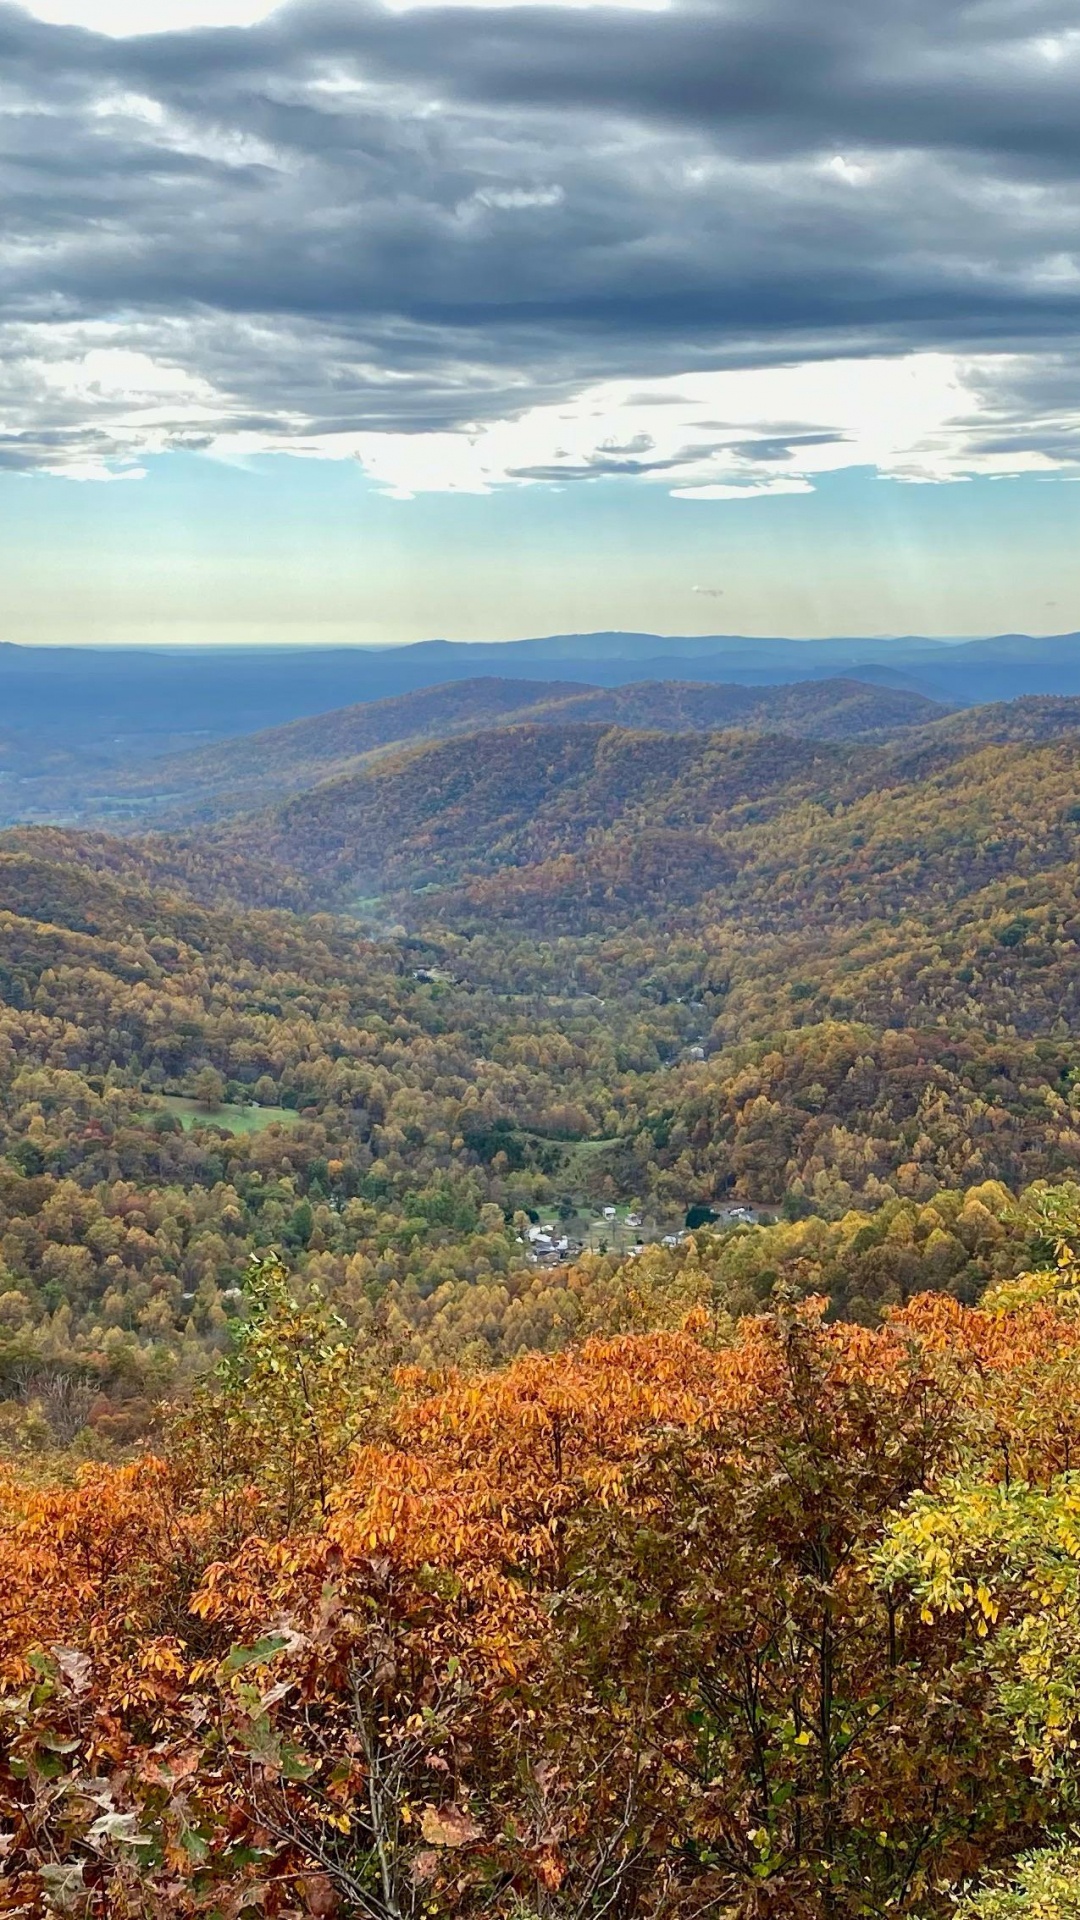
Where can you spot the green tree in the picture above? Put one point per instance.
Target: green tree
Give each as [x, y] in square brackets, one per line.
[270, 1429]
[209, 1088]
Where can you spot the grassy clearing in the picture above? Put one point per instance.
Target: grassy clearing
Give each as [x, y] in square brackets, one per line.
[191, 1113]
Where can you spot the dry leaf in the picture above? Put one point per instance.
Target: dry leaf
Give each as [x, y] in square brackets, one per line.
[74, 1666]
[549, 1868]
[449, 1826]
[317, 1892]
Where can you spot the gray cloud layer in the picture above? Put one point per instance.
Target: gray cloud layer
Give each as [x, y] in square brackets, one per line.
[349, 219]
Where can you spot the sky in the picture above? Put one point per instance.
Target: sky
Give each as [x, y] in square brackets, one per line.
[354, 321]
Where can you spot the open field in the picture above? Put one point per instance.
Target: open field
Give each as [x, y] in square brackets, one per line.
[191, 1113]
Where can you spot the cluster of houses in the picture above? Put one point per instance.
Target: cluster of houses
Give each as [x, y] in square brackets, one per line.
[632, 1219]
[547, 1244]
[551, 1245]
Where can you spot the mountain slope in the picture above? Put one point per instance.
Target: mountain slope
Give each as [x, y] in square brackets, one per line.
[838, 709]
[238, 775]
[584, 826]
[1035, 717]
[878, 841]
[106, 875]
[527, 793]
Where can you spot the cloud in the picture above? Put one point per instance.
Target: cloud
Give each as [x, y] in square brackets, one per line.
[462, 243]
[739, 434]
[122, 17]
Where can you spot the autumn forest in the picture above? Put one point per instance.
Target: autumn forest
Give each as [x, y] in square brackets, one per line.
[540, 1314]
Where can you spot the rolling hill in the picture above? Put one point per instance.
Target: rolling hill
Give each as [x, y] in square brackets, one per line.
[235, 774]
[516, 795]
[839, 709]
[586, 827]
[871, 841]
[241, 774]
[95, 735]
[106, 875]
[1034, 717]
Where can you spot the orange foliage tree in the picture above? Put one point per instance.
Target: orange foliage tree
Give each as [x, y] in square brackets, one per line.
[603, 1634]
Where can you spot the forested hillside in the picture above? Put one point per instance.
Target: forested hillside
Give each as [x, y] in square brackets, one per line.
[1035, 717]
[239, 774]
[512, 797]
[687, 971]
[575, 828]
[539, 1341]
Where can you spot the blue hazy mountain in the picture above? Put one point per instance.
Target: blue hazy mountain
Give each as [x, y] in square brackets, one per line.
[123, 704]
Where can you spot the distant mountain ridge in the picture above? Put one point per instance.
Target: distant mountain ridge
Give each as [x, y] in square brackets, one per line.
[68, 715]
[143, 693]
[236, 775]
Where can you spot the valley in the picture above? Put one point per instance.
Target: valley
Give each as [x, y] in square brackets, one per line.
[594, 967]
[463, 1123]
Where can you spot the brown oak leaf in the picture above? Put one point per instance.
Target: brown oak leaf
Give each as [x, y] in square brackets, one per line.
[448, 1826]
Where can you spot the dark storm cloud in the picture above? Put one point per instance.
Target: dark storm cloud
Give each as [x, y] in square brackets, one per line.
[351, 219]
[780, 75]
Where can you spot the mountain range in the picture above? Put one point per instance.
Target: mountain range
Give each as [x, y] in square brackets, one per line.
[924, 877]
[73, 715]
[239, 774]
[587, 825]
[573, 817]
